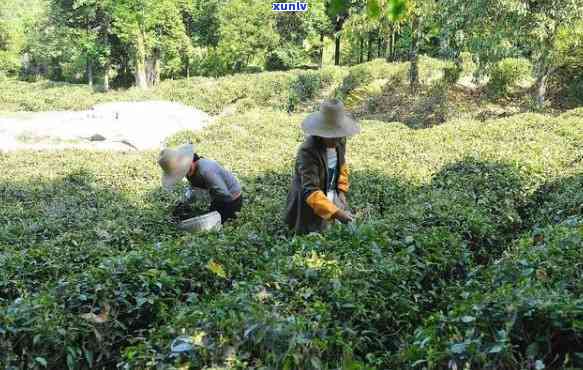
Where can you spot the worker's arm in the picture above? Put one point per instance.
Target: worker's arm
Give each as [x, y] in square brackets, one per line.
[310, 179]
[343, 182]
[193, 194]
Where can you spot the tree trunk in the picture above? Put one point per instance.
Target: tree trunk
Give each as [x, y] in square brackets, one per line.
[394, 35]
[379, 46]
[140, 74]
[106, 72]
[390, 45]
[105, 32]
[337, 29]
[321, 49]
[153, 68]
[541, 89]
[361, 50]
[140, 63]
[370, 46]
[89, 63]
[413, 58]
[337, 50]
[89, 73]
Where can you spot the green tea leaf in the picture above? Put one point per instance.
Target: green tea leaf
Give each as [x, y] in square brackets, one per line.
[217, 269]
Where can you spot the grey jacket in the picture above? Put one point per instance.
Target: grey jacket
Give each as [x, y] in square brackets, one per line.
[221, 184]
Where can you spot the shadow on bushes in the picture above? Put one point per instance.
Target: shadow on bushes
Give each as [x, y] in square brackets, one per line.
[86, 270]
[479, 201]
[359, 290]
[555, 202]
[73, 209]
[74, 246]
[53, 233]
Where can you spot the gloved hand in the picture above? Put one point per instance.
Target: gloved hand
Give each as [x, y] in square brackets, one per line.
[343, 216]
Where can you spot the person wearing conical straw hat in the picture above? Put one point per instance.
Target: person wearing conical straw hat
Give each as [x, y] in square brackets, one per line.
[317, 195]
[223, 187]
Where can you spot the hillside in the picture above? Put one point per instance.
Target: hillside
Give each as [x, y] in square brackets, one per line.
[466, 253]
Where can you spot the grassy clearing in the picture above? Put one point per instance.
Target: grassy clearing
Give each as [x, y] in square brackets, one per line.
[457, 223]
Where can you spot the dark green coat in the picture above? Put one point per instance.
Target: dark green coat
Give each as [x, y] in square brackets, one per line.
[310, 175]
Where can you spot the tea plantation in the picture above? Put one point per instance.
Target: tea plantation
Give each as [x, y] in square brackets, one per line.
[467, 254]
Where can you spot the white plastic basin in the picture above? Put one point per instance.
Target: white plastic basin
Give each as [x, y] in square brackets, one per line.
[206, 222]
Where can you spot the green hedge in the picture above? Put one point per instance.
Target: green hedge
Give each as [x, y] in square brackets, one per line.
[507, 74]
[269, 89]
[94, 276]
[524, 312]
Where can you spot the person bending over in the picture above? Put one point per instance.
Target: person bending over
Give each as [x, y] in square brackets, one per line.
[223, 187]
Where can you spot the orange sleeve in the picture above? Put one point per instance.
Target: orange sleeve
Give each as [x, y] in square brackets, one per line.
[321, 205]
[343, 183]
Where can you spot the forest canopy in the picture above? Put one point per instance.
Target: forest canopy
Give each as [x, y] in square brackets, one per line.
[127, 43]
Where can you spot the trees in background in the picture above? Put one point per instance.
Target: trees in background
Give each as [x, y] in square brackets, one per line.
[301, 38]
[11, 38]
[538, 27]
[493, 29]
[19, 21]
[151, 29]
[85, 26]
[139, 42]
[247, 32]
[338, 12]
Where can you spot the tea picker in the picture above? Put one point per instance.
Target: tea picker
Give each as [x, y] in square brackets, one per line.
[202, 174]
[317, 195]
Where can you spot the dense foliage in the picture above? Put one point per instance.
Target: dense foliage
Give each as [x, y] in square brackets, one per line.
[467, 249]
[139, 42]
[466, 253]
[270, 89]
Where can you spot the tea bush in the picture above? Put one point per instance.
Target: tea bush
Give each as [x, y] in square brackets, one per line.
[303, 88]
[366, 84]
[506, 74]
[452, 74]
[522, 312]
[331, 302]
[468, 233]
[270, 89]
[363, 74]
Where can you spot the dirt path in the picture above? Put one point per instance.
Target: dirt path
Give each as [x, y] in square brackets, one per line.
[112, 126]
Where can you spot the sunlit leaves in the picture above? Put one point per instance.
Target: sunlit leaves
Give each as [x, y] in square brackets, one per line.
[394, 10]
[338, 6]
[397, 9]
[373, 8]
[217, 269]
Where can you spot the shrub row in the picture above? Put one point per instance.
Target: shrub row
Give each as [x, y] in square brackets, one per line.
[270, 89]
[93, 275]
[523, 312]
